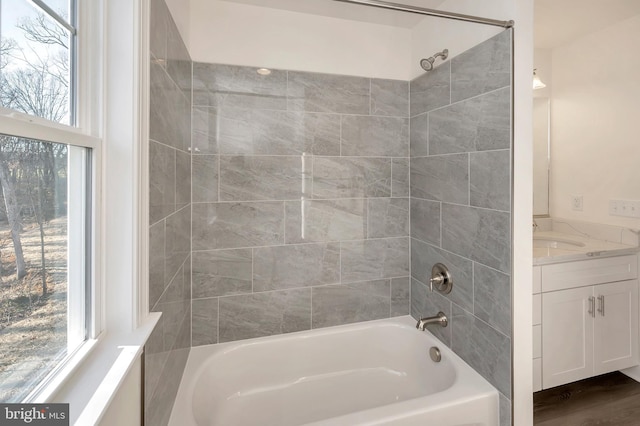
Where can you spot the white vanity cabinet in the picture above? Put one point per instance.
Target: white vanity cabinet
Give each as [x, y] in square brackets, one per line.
[587, 319]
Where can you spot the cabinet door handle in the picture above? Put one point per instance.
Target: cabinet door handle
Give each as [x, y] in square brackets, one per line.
[601, 305]
[592, 306]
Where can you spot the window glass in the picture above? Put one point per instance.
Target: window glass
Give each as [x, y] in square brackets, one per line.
[43, 258]
[36, 62]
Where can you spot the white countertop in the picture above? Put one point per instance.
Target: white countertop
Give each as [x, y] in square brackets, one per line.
[592, 248]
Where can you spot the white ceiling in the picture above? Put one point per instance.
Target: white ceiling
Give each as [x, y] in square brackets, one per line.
[558, 22]
[336, 9]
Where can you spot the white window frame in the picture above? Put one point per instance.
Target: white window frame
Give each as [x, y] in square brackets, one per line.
[86, 97]
[113, 111]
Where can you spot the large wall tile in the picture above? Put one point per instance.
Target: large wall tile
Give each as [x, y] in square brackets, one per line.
[478, 234]
[221, 273]
[232, 86]
[430, 90]
[374, 259]
[249, 178]
[425, 220]
[162, 181]
[483, 68]
[492, 297]
[204, 321]
[400, 175]
[156, 262]
[389, 97]
[264, 314]
[388, 217]
[301, 265]
[400, 296]
[441, 178]
[158, 411]
[424, 256]
[348, 303]
[205, 130]
[478, 124]
[490, 179]
[419, 146]
[178, 241]
[483, 348]
[205, 178]
[505, 411]
[266, 132]
[183, 179]
[234, 225]
[369, 136]
[155, 358]
[335, 177]
[169, 110]
[313, 92]
[426, 303]
[325, 220]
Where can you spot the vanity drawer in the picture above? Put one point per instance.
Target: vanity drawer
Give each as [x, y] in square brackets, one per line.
[588, 272]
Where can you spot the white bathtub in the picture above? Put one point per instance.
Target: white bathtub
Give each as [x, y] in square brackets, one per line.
[373, 373]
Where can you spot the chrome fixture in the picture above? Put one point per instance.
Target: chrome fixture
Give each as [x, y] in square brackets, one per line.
[537, 83]
[440, 319]
[435, 354]
[441, 279]
[427, 64]
[430, 12]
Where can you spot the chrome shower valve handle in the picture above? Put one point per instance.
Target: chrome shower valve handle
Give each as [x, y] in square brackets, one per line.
[441, 279]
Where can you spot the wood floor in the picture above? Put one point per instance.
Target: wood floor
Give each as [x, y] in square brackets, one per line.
[609, 400]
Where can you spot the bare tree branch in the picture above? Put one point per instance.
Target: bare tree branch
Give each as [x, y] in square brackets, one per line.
[42, 30]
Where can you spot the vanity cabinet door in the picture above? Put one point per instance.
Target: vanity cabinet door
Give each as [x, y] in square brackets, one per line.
[616, 326]
[567, 336]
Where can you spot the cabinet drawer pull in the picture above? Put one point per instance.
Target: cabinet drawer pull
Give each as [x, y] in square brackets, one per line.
[592, 306]
[601, 305]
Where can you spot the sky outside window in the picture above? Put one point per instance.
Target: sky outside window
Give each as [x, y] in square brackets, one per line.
[36, 60]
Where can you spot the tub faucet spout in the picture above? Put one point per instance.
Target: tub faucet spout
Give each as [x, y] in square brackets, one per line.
[440, 319]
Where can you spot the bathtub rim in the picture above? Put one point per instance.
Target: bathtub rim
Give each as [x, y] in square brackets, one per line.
[467, 384]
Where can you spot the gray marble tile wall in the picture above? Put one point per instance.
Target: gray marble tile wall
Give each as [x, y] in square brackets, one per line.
[460, 174]
[300, 201]
[167, 350]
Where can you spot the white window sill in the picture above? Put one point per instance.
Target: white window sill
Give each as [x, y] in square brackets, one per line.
[91, 385]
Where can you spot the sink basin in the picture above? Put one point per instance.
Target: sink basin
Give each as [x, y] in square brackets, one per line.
[559, 243]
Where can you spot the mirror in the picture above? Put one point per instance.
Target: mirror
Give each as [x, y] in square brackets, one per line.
[541, 155]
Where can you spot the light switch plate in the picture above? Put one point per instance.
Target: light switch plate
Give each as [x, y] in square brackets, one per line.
[624, 208]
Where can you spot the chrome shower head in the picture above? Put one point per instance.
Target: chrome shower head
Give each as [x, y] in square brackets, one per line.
[427, 63]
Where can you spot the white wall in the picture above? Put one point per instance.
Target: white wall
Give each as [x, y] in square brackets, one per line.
[240, 34]
[181, 13]
[595, 129]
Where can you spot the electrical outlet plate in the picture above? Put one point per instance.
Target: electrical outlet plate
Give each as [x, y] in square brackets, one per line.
[576, 202]
[624, 208]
